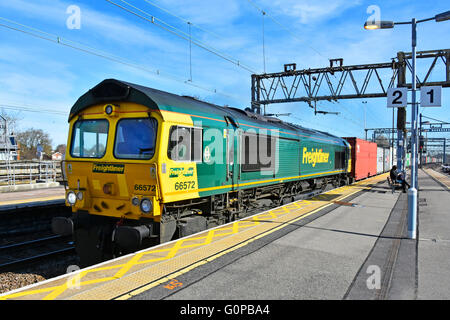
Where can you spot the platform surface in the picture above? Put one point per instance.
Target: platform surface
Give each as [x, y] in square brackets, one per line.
[434, 235]
[18, 199]
[348, 243]
[316, 261]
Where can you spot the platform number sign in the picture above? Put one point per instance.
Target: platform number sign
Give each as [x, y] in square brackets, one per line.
[430, 96]
[397, 97]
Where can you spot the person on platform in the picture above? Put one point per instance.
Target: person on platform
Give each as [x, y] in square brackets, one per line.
[398, 177]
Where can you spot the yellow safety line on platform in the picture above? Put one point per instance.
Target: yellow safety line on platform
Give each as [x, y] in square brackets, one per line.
[218, 255]
[177, 248]
[21, 201]
[445, 180]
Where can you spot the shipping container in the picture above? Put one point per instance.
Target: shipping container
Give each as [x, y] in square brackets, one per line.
[384, 163]
[380, 159]
[394, 157]
[364, 158]
[380, 162]
[386, 159]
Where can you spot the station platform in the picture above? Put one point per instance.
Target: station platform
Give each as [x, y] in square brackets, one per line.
[347, 243]
[32, 198]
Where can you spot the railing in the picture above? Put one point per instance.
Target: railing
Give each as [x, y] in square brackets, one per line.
[23, 172]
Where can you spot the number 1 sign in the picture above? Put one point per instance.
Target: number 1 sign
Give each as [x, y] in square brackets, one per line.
[430, 96]
[397, 97]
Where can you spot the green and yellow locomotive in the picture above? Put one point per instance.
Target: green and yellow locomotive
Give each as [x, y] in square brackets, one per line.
[145, 166]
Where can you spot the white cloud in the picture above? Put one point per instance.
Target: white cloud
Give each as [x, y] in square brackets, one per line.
[310, 11]
[27, 66]
[203, 12]
[95, 24]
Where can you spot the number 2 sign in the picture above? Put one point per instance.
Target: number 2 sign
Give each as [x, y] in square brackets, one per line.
[430, 96]
[397, 97]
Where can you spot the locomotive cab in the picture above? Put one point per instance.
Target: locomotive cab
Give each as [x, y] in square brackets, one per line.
[112, 183]
[111, 170]
[111, 166]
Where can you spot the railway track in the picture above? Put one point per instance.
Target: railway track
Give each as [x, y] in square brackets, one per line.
[28, 220]
[25, 253]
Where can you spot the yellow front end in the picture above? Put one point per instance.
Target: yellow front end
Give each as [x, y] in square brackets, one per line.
[106, 180]
[349, 155]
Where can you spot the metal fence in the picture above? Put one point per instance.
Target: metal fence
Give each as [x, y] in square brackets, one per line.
[23, 172]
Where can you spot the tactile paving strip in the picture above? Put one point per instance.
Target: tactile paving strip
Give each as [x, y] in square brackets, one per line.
[150, 267]
[445, 180]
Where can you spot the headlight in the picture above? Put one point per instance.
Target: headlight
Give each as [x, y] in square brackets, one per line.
[71, 198]
[135, 201]
[146, 205]
[80, 195]
[109, 109]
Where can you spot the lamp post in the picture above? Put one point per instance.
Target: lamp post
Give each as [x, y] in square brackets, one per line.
[420, 138]
[412, 192]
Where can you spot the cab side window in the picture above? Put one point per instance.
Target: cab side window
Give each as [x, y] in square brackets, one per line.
[185, 144]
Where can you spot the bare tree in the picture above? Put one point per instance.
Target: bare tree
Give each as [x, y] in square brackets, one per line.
[382, 141]
[12, 118]
[61, 148]
[29, 141]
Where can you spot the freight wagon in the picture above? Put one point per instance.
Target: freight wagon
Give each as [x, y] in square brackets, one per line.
[363, 158]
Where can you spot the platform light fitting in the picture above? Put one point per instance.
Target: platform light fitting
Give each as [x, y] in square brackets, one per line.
[372, 25]
[442, 16]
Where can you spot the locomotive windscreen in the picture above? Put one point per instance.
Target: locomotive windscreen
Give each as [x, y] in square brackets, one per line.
[89, 138]
[135, 138]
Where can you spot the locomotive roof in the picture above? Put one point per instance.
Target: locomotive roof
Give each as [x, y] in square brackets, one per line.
[112, 90]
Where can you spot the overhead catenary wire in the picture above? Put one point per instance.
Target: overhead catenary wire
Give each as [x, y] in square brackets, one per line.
[424, 116]
[33, 109]
[179, 33]
[191, 24]
[348, 119]
[190, 52]
[37, 33]
[327, 129]
[282, 26]
[289, 30]
[185, 20]
[188, 22]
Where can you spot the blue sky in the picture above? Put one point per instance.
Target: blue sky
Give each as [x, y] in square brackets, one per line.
[47, 77]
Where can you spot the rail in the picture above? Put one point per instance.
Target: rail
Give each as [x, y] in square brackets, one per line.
[33, 251]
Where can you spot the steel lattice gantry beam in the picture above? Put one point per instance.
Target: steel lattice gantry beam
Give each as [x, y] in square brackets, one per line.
[436, 130]
[433, 128]
[363, 81]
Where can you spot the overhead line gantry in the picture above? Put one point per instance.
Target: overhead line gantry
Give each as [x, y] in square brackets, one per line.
[312, 85]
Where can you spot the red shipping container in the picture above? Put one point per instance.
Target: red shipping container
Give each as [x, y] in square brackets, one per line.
[364, 158]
